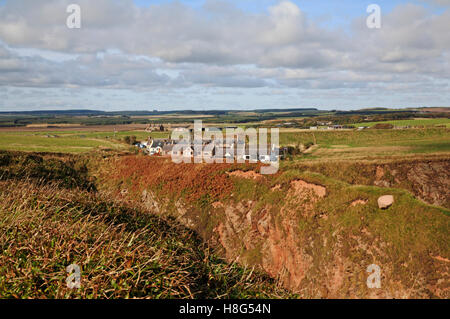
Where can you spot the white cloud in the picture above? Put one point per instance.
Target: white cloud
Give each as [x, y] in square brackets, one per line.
[174, 46]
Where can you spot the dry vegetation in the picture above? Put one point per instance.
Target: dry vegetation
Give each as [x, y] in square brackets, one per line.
[124, 250]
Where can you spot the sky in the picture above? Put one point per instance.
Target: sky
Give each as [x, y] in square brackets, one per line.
[223, 54]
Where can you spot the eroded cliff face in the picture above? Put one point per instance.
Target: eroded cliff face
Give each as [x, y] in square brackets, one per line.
[427, 179]
[316, 236]
[272, 244]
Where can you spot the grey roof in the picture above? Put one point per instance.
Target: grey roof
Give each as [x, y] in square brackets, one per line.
[168, 148]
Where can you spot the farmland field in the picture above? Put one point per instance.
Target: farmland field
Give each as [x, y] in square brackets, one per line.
[370, 143]
[330, 143]
[413, 122]
[32, 142]
[68, 141]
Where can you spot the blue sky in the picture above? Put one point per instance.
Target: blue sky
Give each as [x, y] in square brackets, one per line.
[211, 54]
[329, 12]
[316, 8]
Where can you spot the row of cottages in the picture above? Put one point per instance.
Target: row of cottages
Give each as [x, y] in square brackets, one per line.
[164, 147]
[212, 151]
[332, 127]
[192, 130]
[156, 146]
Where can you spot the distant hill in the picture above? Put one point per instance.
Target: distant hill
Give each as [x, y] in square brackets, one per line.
[144, 113]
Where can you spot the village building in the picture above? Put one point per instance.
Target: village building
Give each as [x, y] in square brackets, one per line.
[155, 128]
[155, 146]
[335, 127]
[167, 150]
[181, 128]
[211, 149]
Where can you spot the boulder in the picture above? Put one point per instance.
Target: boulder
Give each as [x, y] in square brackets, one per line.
[384, 202]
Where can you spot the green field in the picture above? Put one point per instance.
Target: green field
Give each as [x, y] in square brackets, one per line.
[68, 142]
[330, 143]
[412, 123]
[28, 142]
[370, 143]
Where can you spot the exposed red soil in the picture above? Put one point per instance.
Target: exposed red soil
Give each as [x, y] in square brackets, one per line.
[246, 175]
[305, 194]
[197, 180]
